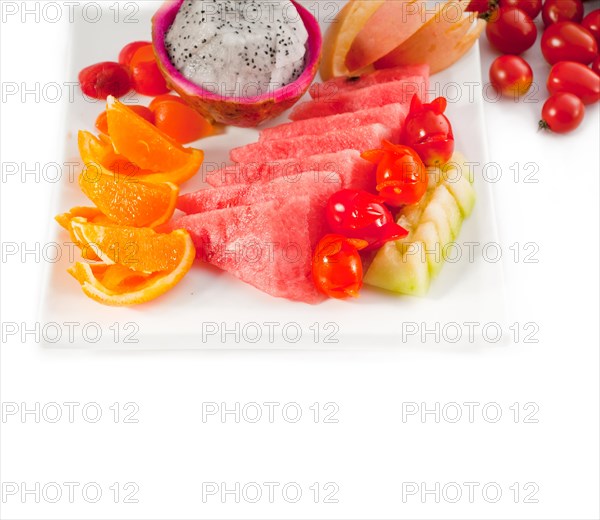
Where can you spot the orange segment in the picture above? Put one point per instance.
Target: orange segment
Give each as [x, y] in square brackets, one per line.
[144, 144]
[128, 201]
[118, 286]
[91, 214]
[100, 150]
[140, 249]
[154, 264]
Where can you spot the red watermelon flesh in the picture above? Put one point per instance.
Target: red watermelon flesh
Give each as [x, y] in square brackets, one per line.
[361, 138]
[368, 97]
[318, 185]
[355, 172]
[392, 116]
[312, 184]
[328, 89]
[266, 245]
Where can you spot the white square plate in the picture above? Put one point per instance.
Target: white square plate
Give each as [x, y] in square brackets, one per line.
[212, 309]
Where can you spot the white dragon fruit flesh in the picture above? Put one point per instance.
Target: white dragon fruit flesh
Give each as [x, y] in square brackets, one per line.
[238, 61]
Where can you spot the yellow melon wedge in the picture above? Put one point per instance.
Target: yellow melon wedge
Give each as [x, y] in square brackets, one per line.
[440, 42]
[389, 26]
[341, 33]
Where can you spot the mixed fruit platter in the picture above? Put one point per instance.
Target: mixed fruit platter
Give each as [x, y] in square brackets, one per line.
[361, 186]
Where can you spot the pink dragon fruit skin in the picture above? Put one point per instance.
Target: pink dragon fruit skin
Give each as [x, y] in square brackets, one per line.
[236, 111]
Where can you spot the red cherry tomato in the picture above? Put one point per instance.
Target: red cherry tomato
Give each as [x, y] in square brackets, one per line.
[401, 175]
[531, 7]
[568, 41]
[478, 6]
[360, 214]
[127, 52]
[576, 78]
[105, 79]
[592, 23]
[428, 131]
[165, 97]
[562, 11]
[147, 78]
[562, 113]
[510, 30]
[181, 122]
[511, 75]
[337, 267]
[102, 120]
[595, 66]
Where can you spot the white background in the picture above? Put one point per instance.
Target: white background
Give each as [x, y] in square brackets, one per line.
[370, 452]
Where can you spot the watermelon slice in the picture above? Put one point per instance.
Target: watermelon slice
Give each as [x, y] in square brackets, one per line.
[318, 185]
[312, 184]
[266, 245]
[392, 116]
[324, 91]
[362, 138]
[355, 172]
[368, 97]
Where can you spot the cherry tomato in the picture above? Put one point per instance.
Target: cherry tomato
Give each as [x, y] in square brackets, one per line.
[592, 23]
[576, 78]
[401, 175]
[562, 11]
[180, 121]
[428, 131]
[105, 79]
[337, 267]
[165, 97]
[360, 214]
[127, 52]
[147, 78]
[511, 75]
[596, 65]
[562, 112]
[531, 7]
[478, 6]
[102, 120]
[511, 30]
[568, 41]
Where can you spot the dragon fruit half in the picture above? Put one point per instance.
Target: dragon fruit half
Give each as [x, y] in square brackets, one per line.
[239, 62]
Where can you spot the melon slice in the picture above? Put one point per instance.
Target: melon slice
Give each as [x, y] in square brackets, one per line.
[324, 91]
[355, 172]
[458, 183]
[362, 138]
[392, 116]
[342, 32]
[433, 223]
[400, 267]
[454, 217]
[266, 245]
[391, 25]
[368, 97]
[442, 40]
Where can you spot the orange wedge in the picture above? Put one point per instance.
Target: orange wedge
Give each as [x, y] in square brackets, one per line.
[90, 214]
[118, 286]
[100, 150]
[140, 249]
[341, 33]
[127, 200]
[139, 264]
[145, 145]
